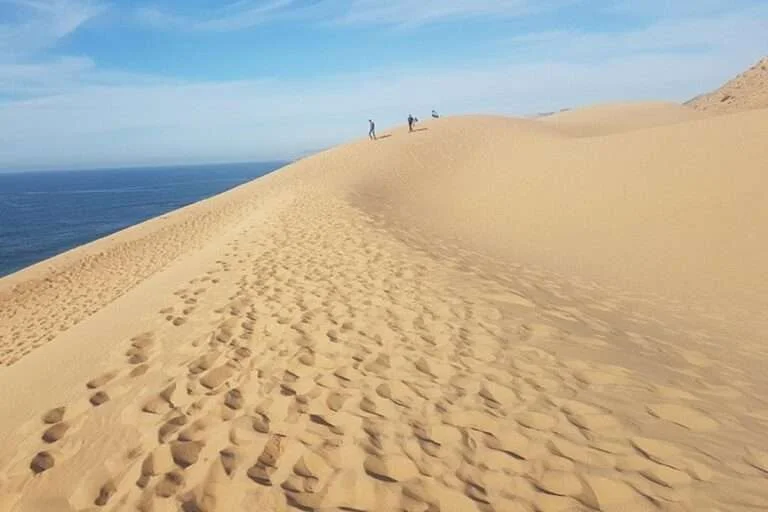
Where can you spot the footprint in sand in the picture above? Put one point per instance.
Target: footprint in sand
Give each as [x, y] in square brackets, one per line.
[105, 493]
[99, 398]
[140, 346]
[267, 462]
[170, 484]
[186, 453]
[170, 427]
[54, 415]
[139, 370]
[229, 460]
[101, 380]
[41, 462]
[136, 355]
[55, 432]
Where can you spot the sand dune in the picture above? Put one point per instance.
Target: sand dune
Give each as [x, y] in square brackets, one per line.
[488, 314]
[618, 118]
[747, 91]
[652, 210]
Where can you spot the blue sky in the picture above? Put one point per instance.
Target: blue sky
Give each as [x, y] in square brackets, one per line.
[87, 83]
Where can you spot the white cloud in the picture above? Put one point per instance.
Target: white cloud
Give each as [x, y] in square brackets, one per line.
[37, 79]
[742, 34]
[66, 75]
[246, 14]
[38, 25]
[407, 12]
[41, 23]
[234, 16]
[678, 8]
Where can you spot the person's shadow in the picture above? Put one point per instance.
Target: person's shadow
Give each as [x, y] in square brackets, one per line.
[420, 129]
[385, 136]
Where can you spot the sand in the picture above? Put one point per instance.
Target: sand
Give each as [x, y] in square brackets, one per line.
[620, 117]
[747, 91]
[488, 314]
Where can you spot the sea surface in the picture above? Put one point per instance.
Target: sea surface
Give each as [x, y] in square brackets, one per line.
[46, 213]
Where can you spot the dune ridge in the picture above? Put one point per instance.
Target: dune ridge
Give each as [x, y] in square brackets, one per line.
[619, 118]
[486, 314]
[747, 91]
[649, 210]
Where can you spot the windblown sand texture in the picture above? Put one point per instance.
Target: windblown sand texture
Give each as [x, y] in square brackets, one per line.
[487, 314]
[749, 90]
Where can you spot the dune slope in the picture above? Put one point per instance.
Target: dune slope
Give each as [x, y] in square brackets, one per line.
[426, 322]
[617, 118]
[652, 210]
[747, 91]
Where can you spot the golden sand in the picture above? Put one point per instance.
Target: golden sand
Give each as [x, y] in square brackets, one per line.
[747, 91]
[487, 314]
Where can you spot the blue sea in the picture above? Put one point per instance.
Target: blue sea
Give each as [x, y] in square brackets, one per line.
[46, 213]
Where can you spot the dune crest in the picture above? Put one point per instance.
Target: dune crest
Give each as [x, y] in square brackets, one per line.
[747, 91]
[649, 210]
[619, 118]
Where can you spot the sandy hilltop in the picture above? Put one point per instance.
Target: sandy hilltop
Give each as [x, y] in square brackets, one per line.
[747, 91]
[488, 314]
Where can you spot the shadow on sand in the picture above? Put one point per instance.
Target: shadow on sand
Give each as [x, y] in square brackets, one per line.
[385, 136]
[420, 129]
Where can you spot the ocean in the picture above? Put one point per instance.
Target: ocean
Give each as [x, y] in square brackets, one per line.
[45, 213]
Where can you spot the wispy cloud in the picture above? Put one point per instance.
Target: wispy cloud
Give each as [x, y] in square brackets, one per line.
[677, 8]
[39, 24]
[33, 27]
[62, 76]
[407, 12]
[739, 33]
[239, 15]
[34, 79]
[245, 14]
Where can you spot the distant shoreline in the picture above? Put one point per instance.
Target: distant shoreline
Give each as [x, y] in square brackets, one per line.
[47, 213]
[144, 167]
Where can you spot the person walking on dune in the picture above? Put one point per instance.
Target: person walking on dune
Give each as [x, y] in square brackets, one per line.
[371, 130]
[410, 122]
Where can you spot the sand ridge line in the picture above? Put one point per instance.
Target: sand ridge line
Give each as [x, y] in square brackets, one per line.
[747, 91]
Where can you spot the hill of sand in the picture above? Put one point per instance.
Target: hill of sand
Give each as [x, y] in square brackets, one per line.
[620, 117]
[650, 209]
[488, 314]
[747, 91]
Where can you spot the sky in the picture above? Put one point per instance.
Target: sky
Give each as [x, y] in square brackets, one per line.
[100, 83]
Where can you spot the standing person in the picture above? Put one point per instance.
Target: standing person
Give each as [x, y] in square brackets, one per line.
[410, 123]
[371, 130]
